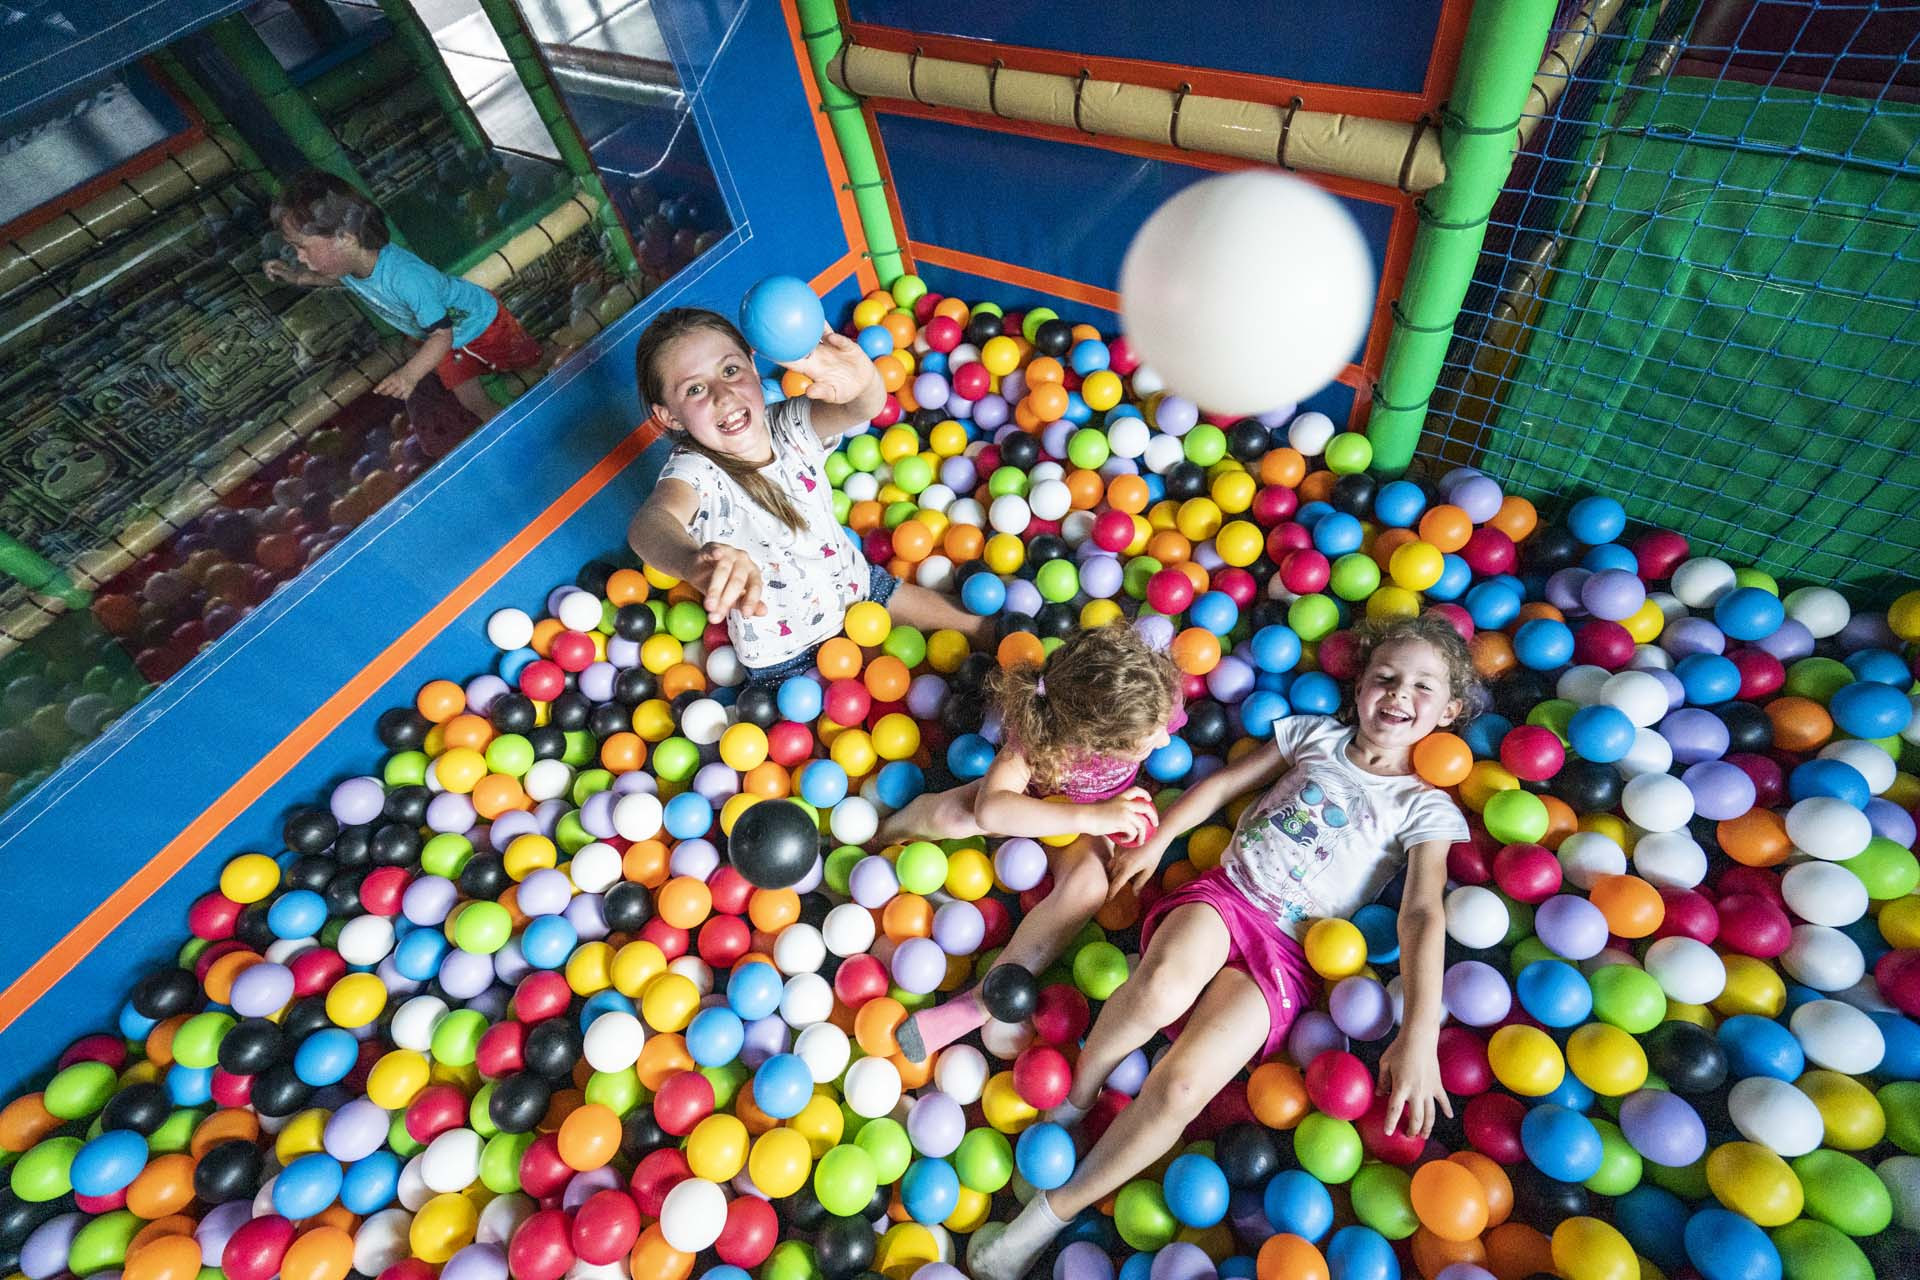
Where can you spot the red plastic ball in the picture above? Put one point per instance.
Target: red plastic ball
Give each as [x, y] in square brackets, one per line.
[1462, 620]
[1601, 643]
[1042, 1076]
[605, 1227]
[1470, 861]
[723, 940]
[1273, 504]
[542, 1247]
[1121, 357]
[1489, 551]
[1761, 882]
[684, 1101]
[943, 333]
[255, 1250]
[673, 942]
[1769, 781]
[1339, 655]
[788, 743]
[1761, 674]
[1659, 552]
[1304, 572]
[1531, 752]
[213, 916]
[502, 1049]
[1753, 926]
[877, 546]
[542, 1171]
[731, 891]
[1237, 585]
[1688, 915]
[96, 1048]
[572, 651]
[382, 890]
[848, 701]
[1113, 531]
[859, 979]
[971, 380]
[542, 994]
[316, 970]
[435, 1110]
[1491, 1123]
[230, 1090]
[1062, 1015]
[543, 681]
[97, 1205]
[752, 1229]
[658, 1173]
[1286, 537]
[1464, 1068]
[1339, 1084]
[1898, 975]
[987, 461]
[999, 922]
[1527, 872]
[890, 412]
[408, 1269]
[1170, 591]
[1399, 1147]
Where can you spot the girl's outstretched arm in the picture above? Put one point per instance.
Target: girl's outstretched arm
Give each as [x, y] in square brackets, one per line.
[1410, 1068]
[1258, 768]
[844, 386]
[658, 534]
[1003, 806]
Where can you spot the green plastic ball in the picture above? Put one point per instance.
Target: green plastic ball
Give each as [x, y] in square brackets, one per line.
[790, 1260]
[82, 1089]
[1098, 970]
[984, 1160]
[1620, 1164]
[1525, 952]
[898, 513]
[908, 289]
[102, 1243]
[1817, 678]
[1136, 575]
[1313, 617]
[1349, 453]
[686, 621]
[675, 759]
[1383, 1200]
[909, 644]
[456, 1037]
[445, 854]
[863, 453]
[838, 468]
[1141, 1214]
[1205, 445]
[913, 473]
[1057, 580]
[589, 783]
[921, 867]
[1355, 576]
[1328, 1148]
[842, 507]
[1628, 997]
[1515, 817]
[1752, 577]
[1031, 322]
[726, 1080]
[1007, 482]
[483, 928]
[405, 769]
[197, 1043]
[1844, 1193]
[1087, 448]
[500, 1161]
[885, 1139]
[510, 754]
[1553, 715]
[838, 870]
[1811, 1250]
[1887, 870]
[845, 1180]
[43, 1173]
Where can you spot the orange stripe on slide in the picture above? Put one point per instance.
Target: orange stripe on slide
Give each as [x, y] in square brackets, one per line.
[1025, 277]
[830, 151]
[328, 716]
[830, 279]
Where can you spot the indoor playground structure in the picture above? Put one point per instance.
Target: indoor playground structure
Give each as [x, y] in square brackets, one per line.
[403, 881]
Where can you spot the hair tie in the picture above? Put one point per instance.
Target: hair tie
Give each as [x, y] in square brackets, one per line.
[1040, 687]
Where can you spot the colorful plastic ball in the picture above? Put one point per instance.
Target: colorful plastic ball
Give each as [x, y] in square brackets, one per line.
[782, 318]
[1723, 1245]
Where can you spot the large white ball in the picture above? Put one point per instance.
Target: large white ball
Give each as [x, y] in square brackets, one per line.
[1776, 1115]
[1248, 291]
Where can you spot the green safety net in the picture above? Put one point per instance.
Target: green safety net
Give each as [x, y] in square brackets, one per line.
[1730, 343]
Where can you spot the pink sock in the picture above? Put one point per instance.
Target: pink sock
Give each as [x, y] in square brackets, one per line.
[926, 1033]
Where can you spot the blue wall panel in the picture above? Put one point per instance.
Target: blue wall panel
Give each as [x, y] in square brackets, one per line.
[50, 47]
[128, 794]
[1380, 45]
[1056, 207]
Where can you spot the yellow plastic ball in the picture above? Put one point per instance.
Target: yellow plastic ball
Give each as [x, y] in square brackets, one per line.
[1589, 1249]
[1098, 613]
[635, 965]
[529, 853]
[780, 1162]
[946, 650]
[1852, 1115]
[1645, 623]
[249, 878]
[969, 874]
[659, 579]
[304, 1134]
[869, 312]
[1753, 986]
[948, 439]
[669, 1002]
[868, 624]
[356, 1000]
[1240, 543]
[907, 1246]
[1233, 492]
[1752, 1180]
[443, 1227]
[1198, 519]
[821, 1123]
[460, 769]
[1899, 922]
[899, 442]
[1606, 1059]
[896, 736]
[717, 1148]
[1390, 602]
[1482, 782]
[590, 968]
[1335, 949]
[1001, 355]
[1143, 532]
[1206, 846]
[396, 1078]
[1698, 1014]
[1004, 553]
[743, 746]
[660, 651]
[653, 720]
[1526, 1060]
[1003, 1106]
[1610, 826]
[971, 1210]
[735, 806]
[853, 751]
[1102, 390]
[1416, 565]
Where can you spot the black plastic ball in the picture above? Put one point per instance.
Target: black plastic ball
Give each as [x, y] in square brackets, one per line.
[1353, 494]
[250, 1046]
[548, 741]
[1688, 1057]
[1247, 1153]
[553, 1048]
[1207, 723]
[1007, 623]
[251, 926]
[974, 670]
[279, 1092]
[1549, 549]
[1248, 440]
[608, 719]
[634, 622]
[353, 847]
[513, 713]
[1519, 691]
[593, 577]
[484, 876]
[397, 844]
[1020, 450]
[1587, 787]
[401, 729]
[963, 713]
[1009, 992]
[309, 830]
[19, 1218]
[570, 712]
[635, 685]
[142, 1108]
[1053, 338]
[774, 844]
[982, 326]
[342, 894]
[305, 1016]
[1186, 480]
[759, 704]
[520, 1101]
[1748, 729]
[627, 906]
[640, 1133]
[1045, 548]
[166, 992]
[1056, 619]
[843, 1248]
[310, 872]
[408, 804]
[228, 1171]
[1544, 1202]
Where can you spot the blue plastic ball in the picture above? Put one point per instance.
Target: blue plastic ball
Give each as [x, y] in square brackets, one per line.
[1296, 1202]
[1259, 712]
[1758, 1046]
[1089, 355]
[1561, 1143]
[1881, 666]
[1483, 734]
[189, 1086]
[1869, 709]
[1610, 555]
[307, 1186]
[1381, 928]
[1044, 1155]
[608, 1001]
[371, 1183]
[1314, 693]
[1653, 1220]
[1455, 577]
[1543, 644]
[1169, 763]
[1492, 605]
[799, 700]
[714, 1036]
[1727, 1246]
[548, 941]
[1312, 513]
[298, 913]
[875, 341]
[1399, 504]
[983, 594]
[1902, 1034]
[782, 319]
[1749, 613]
[753, 992]
[823, 784]
[1196, 1190]
[1600, 733]
[108, 1163]
[783, 1085]
[1361, 1253]
[419, 954]
[1216, 611]
[969, 756]
[1276, 648]
[1337, 534]
[688, 816]
[930, 1190]
[1554, 993]
[326, 1057]
[1596, 520]
[1834, 778]
[898, 783]
[1708, 678]
[1139, 1266]
[1569, 1093]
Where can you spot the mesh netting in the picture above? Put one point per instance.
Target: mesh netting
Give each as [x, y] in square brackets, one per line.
[1698, 292]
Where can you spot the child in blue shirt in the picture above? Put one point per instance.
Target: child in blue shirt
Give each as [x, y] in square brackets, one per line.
[341, 238]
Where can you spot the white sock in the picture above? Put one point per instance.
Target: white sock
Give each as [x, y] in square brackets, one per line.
[1009, 1255]
[1066, 1115]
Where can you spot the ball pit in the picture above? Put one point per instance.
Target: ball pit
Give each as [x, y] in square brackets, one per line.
[597, 972]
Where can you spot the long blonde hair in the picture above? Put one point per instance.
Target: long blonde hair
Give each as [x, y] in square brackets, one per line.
[667, 328]
[1104, 690]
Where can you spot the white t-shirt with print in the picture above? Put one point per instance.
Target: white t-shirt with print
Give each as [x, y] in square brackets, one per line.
[809, 577]
[1327, 837]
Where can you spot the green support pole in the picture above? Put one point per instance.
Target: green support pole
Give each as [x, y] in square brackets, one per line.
[235, 37]
[340, 88]
[38, 574]
[1501, 53]
[524, 51]
[820, 28]
[411, 32]
[216, 120]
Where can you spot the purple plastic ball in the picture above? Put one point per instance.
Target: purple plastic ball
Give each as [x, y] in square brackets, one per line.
[1053, 440]
[1313, 1033]
[261, 990]
[959, 474]
[1156, 629]
[1361, 1008]
[992, 411]
[357, 801]
[596, 682]
[918, 965]
[478, 1262]
[1613, 594]
[1663, 1127]
[935, 1124]
[925, 696]
[1695, 734]
[715, 782]
[1181, 1260]
[483, 689]
[1131, 1074]
[1692, 635]
[1231, 680]
[931, 390]
[765, 1038]
[1571, 926]
[697, 858]
[1720, 790]
[1023, 597]
[1475, 993]
[959, 928]
[545, 892]
[872, 882]
[1019, 864]
[1479, 497]
[451, 813]
[1101, 576]
[1564, 588]
[464, 974]
[1083, 1260]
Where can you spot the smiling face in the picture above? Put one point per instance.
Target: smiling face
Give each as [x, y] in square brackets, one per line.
[1404, 695]
[713, 394]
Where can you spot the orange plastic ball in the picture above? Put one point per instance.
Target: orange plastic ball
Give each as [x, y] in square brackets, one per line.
[684, 902]
[1283, 467]
[839, 659]
[1196, 651]
[1799, 724]
[1757, 838]
[1446, 527]
[440, 700]
[1442, 759]
[589, 1137]
[1129, 494]
[1633, 908]
[1288, 1257]
[1278, 1095]
[1449, 1200]
[1021, 649]
[1516, 517]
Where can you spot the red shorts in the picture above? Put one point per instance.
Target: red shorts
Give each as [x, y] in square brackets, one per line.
[503, 345]
[1260, 949]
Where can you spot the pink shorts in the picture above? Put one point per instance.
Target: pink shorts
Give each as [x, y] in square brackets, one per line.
[1259, 949]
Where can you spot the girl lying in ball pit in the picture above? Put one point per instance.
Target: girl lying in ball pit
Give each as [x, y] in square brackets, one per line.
[743, 510]
[1342, 813]
[1076, 730]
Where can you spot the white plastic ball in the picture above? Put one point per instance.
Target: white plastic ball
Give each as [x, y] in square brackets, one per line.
[1828, 827]
[1050, 499]
[1163, 454]
[861, 486]
[968, 511]
[1476, 918]
[414, 1022]
[1248, 290]
[579, 611]
[1776, 1115]
[1585, 856]
[694, 970]
[547, 780]
[502, 1216]
[1670, 860]
[935, 497]
[1005, 1040]
[613, 1041]
[703, 722]
[1147, 381]
[872, 1087]
[1638, 696]
[960, 1072]
[1821, 610]
[935, 573]
[365, 940]
[806, 999]
[1657, 802]
[636, 816]
[724, 667]
[1126, 438]
[1310, 433]
[381, 1241]
[825, 1049]
[1838, 1037]
[1650, 657]
[1041, 471]
[1582, 684]
[965, 353]
[799, 949]
[1700, 582]
[1687, 969]
[595, 868]
[1009, 514]
[1650, 753]
[1867, 759]
[853, 821]
[1077, 526]
[1823, 958]
[510, 629]
[848, 929]
[693, 1215]
[1824, 893]
[451, 1161]
[412, 1193]
[1669, 605]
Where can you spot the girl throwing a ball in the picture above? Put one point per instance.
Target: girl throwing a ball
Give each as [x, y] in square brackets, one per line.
[743, 509]
[1342, 812]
